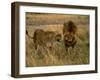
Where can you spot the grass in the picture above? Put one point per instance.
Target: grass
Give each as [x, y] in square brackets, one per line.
[57, 55]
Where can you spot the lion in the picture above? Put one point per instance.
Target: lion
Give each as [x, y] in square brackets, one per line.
[44, 38]
[69, 34]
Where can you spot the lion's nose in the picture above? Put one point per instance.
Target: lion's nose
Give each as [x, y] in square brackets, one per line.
[58, 40]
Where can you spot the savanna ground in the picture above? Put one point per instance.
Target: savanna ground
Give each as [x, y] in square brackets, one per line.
[58, 55]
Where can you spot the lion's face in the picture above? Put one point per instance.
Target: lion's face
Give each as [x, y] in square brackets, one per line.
[68, 37]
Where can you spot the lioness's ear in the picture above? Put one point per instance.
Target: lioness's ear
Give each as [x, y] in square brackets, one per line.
[65, 24]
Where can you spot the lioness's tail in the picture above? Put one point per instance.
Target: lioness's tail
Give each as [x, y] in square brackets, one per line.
[29, 35]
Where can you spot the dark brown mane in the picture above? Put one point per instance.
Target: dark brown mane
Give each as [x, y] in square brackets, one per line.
[69, 34]
[70, 27]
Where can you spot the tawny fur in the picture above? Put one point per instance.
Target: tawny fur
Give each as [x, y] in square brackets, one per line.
[44, 38]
